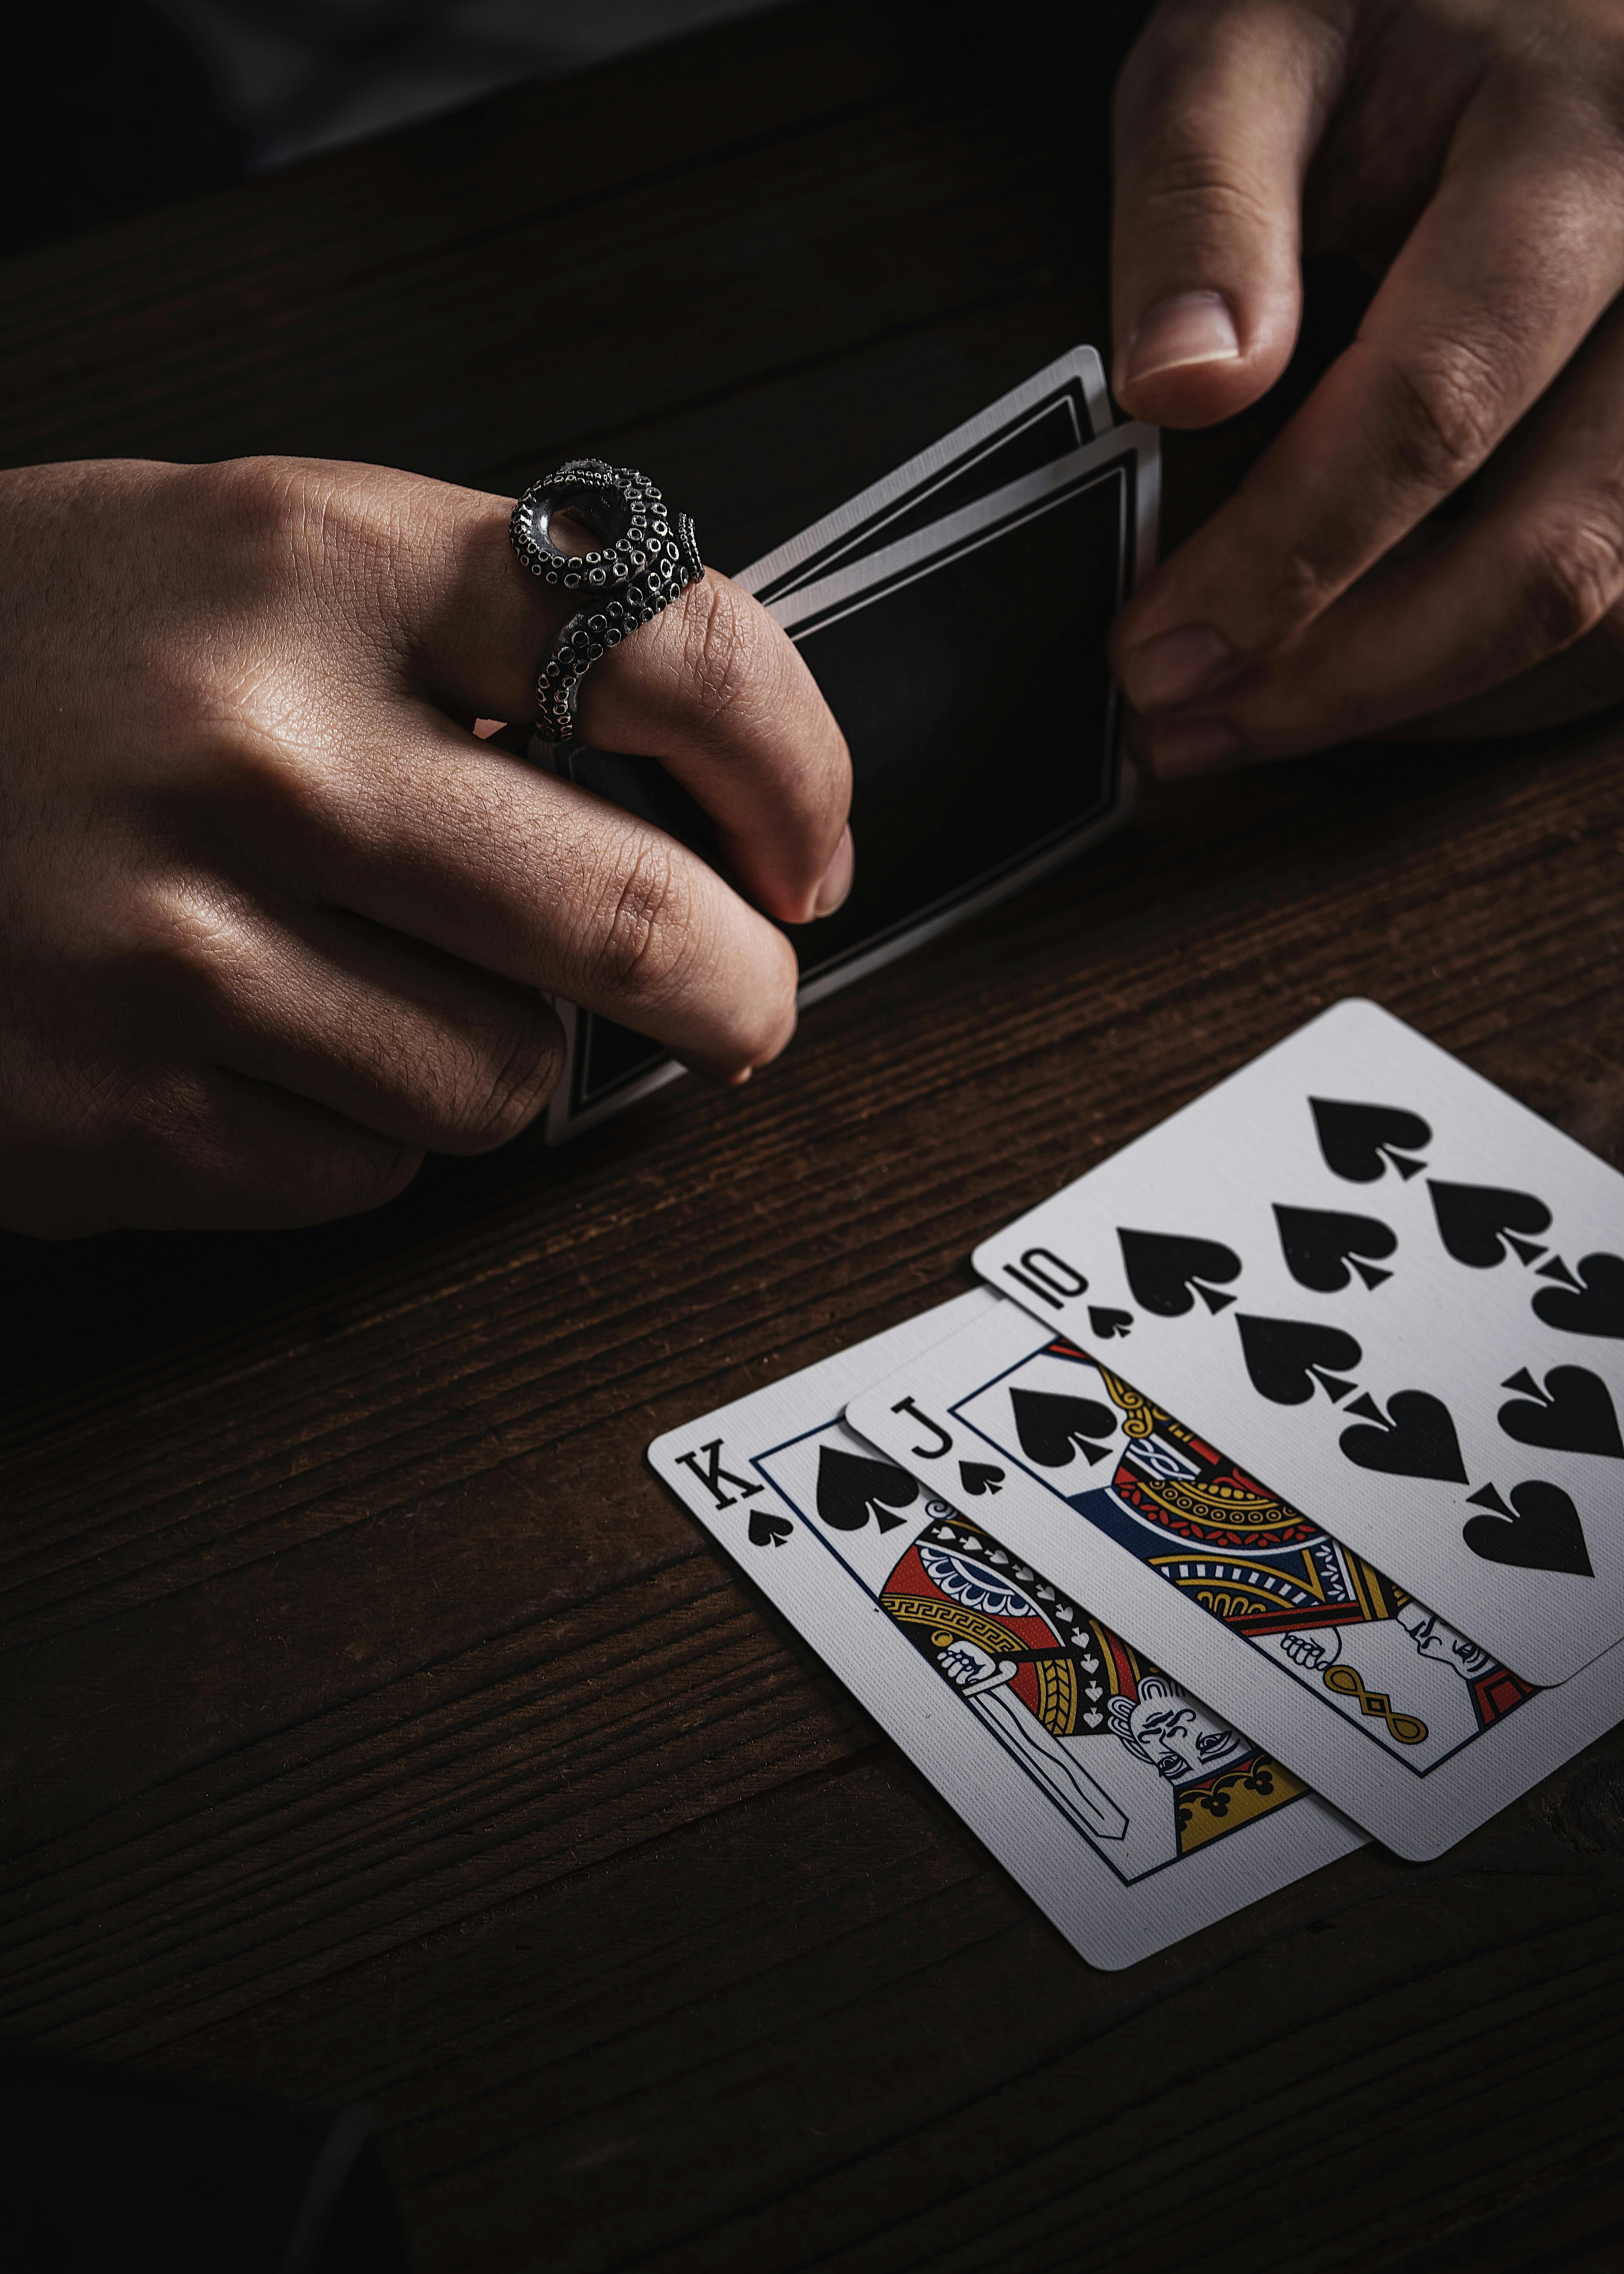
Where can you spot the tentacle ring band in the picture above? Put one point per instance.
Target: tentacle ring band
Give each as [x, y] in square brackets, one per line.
[646, 555]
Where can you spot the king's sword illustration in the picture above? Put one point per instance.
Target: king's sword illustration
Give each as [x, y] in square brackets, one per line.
[1049, 1759]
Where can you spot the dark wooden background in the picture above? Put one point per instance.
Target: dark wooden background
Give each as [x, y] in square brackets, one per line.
[374, 1726]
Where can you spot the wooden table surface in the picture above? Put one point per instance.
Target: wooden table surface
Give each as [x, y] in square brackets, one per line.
[374, 1725]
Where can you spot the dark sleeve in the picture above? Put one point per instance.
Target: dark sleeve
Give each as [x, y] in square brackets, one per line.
[106, 2170]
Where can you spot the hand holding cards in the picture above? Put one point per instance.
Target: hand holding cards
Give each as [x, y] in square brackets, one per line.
[1292, 1469]
[955, 616]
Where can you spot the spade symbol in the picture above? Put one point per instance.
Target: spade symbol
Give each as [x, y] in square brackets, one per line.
[1359, 1140]
[1598, 1310]
[1544, 1535]
[1319, 1244]
[768, 1530]
[1165, 1270]
[978, 1477]
[1474, 1219]
[852, 1488]
[1286, 1358]
[1107, 1323]
[1054, 1430]
[1573, 1413]
[1415, 1437]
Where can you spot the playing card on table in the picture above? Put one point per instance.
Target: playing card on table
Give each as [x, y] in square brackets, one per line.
[1392, 1293]
[1128, 1812]
[1402, 1722]
[955, 617]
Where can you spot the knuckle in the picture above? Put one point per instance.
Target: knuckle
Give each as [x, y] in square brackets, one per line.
[642, 937]
[286, 518]
[277, 504]
[282, 777]
[1573, 579]
[513, 1083]
[248, 750]
[184, 1147]
[722, 646]
[256, 495]
[343, 1173]
[358, 1173]
[1308, 577]
[181, 934]
[322, 536]
[1446, 416]
[1192, 194]
[181, 709]
[229, 696]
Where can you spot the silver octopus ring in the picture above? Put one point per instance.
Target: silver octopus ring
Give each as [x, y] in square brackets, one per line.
[646, 557]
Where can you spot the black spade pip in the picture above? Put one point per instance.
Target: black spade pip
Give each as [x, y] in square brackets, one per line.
[1166, 1271]
[1053, 1430]
[1573, 1413]
[1479, 1223]
[1323, 1246]
[1543, 1534]
[1415, 1437]
[1597, 1308]
[1287, 1358]
[852, 1488]
[1359, 1140]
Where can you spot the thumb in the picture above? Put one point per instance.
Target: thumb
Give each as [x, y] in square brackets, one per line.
[1218, 112]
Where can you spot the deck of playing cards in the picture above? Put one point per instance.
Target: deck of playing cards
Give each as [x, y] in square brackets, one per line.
[1269, 1496]
[955, 617]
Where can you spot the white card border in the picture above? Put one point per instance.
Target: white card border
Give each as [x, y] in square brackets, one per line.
[942, 460]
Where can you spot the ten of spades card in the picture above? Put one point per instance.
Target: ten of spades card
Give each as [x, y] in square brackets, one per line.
[1392, 1292]
[1130, 1813]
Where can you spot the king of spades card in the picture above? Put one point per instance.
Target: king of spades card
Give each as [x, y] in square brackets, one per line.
[1144, 1772]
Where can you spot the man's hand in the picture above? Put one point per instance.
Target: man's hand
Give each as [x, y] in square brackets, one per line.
[1472, 151]
[273, 921]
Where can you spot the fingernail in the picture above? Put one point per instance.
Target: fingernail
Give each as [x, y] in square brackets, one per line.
[836, 877]
[1201, 746]
[1175, 666]
[1191, 328]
